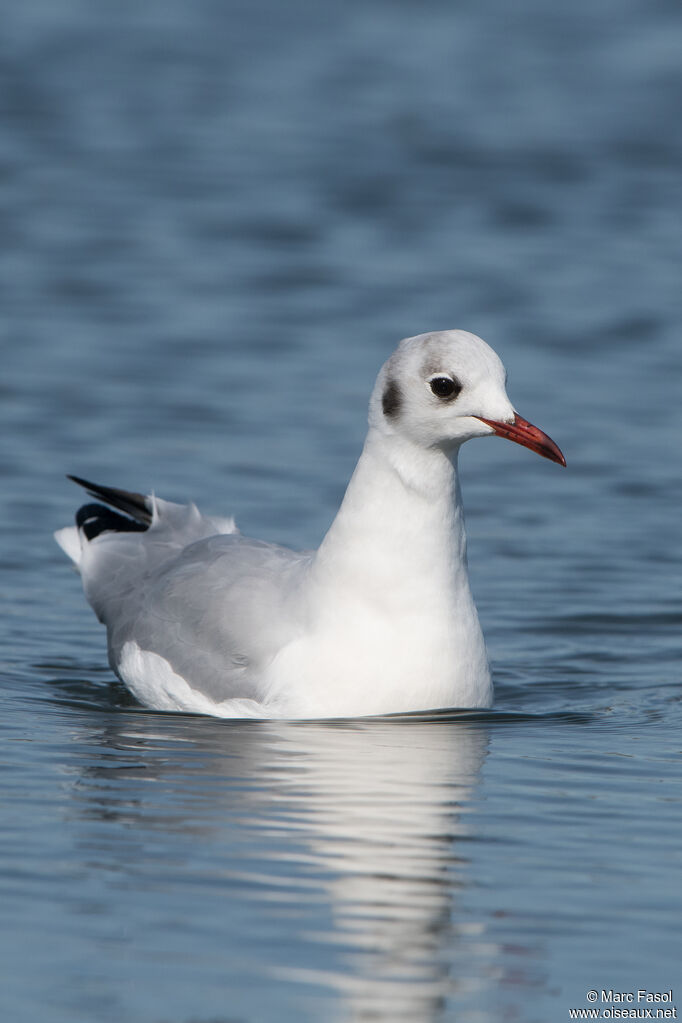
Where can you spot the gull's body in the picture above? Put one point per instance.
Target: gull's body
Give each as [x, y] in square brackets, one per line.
[380, 619]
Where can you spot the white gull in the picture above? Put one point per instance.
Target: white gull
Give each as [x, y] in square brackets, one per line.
[380, 619]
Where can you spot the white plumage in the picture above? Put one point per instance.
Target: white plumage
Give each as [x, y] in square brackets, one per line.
[379, 619]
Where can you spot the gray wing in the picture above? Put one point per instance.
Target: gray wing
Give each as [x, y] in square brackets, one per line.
[218, 612]
[215, 605]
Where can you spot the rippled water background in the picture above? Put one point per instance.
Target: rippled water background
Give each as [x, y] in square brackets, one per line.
[217, 219]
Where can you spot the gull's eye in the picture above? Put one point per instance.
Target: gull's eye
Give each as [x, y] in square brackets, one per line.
[445, 387]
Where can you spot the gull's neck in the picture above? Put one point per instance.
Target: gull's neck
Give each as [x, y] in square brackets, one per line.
[389, 592]
[400, 524]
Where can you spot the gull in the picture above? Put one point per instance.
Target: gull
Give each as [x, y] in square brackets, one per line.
[380, 619]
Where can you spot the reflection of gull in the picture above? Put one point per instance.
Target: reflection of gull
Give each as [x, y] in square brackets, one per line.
[380, 619]
[355, 839]
[383, 811]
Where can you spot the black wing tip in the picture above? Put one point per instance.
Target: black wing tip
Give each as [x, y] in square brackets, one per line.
[94, 519]
[137, 506]
[81, 482]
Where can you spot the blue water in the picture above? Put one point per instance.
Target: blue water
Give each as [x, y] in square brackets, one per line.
[217, 220]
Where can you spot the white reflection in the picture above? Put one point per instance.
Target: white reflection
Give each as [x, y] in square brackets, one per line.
[383, 806]
[369, 819]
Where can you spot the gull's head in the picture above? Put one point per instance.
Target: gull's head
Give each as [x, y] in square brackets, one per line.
[442, 388]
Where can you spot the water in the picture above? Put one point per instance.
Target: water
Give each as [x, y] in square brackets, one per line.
[217, 220]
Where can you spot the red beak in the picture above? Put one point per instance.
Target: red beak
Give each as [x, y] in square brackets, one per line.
[523, 432]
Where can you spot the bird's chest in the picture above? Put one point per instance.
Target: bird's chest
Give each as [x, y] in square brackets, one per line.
[374, 657]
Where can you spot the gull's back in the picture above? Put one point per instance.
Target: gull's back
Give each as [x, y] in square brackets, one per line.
[190, 598]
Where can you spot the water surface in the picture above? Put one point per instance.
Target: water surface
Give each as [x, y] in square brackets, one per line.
[217, 222]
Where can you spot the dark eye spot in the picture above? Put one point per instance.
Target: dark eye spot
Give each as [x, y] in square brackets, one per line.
[391, 399]
[445, 387]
